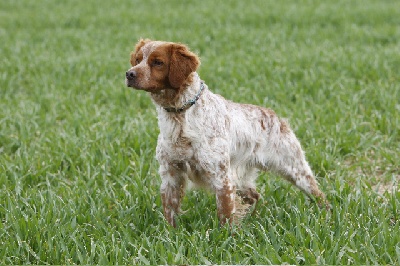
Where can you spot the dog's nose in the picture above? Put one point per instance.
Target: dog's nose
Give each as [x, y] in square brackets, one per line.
[131, 74]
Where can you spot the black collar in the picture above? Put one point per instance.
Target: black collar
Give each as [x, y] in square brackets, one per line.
[187, 104]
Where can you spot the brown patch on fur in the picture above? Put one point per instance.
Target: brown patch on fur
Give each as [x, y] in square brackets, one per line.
[138, 46]
[266, 115]
[267, 112]
[226, 203]
[168, 97]
[262, 124]
[182, 63]
[223, 167]
[284, 127]
[169, 209]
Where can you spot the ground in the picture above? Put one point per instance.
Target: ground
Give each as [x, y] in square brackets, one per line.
[78, 178]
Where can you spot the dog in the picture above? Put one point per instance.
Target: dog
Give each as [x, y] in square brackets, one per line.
[208, 140]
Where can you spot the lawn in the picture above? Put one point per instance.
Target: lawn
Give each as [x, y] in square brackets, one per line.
[78, 177]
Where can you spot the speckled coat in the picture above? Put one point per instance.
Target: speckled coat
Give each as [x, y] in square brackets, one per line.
[214, 143]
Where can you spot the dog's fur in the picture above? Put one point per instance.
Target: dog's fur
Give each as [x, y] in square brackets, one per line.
[216, 143]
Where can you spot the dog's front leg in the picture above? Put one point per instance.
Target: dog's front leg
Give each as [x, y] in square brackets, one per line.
[172, 190]
[226, 201]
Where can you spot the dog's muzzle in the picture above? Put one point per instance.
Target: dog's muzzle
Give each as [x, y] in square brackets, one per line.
[130, 78]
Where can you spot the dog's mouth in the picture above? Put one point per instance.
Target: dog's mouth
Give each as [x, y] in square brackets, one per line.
[133, 84]
[130, 83]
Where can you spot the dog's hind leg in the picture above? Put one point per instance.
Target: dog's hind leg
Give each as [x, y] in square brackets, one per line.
[297, 171]
[290, 162]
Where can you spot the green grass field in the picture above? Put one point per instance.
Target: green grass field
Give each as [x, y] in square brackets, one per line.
[78, 177]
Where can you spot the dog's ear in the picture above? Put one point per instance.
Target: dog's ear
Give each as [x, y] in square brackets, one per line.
[138, 45]
[182, 63]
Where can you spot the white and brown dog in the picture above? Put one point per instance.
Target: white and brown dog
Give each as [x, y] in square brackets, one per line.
[213, 142]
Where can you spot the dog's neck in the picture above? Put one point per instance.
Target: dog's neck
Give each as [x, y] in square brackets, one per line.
[176, 98]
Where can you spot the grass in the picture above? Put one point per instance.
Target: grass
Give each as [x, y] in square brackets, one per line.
[78, 178]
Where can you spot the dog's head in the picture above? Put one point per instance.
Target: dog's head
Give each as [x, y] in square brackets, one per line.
[160, 65]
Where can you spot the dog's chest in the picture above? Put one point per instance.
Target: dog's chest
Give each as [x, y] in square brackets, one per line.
[176, 140]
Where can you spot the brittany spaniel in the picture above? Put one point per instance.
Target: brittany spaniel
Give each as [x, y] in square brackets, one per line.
[211, 141]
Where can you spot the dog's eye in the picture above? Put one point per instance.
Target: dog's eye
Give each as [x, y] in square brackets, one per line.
[137, 61]
[157, 62]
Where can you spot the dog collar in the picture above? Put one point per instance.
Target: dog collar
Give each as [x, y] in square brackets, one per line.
[187, 104]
